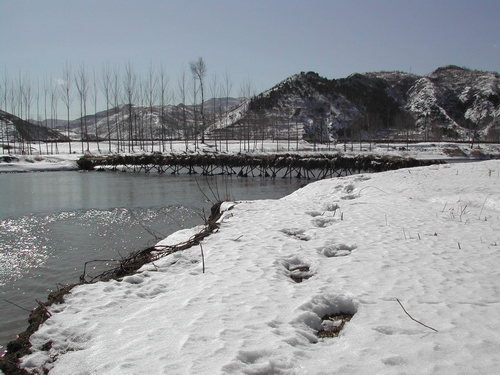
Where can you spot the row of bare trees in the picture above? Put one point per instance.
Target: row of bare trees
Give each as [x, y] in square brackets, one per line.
[142, 111]
[147, 112]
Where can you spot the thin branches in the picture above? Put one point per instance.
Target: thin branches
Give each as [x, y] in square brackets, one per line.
[482, 207]
[156, 235]
[202, 257]
[415, 320]
[15, 304]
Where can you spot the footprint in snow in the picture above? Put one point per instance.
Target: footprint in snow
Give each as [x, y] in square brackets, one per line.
[297, 269]
[336, 250]
[324, 317]
[296, 233]
[324, 221]
[349, 190]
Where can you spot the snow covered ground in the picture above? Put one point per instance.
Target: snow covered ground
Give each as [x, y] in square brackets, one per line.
[428, 237]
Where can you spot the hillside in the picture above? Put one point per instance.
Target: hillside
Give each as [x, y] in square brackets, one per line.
[449, 103]
[17, 128]
[146, 121]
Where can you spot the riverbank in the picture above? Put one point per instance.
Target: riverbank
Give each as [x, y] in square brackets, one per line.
[61, 159]
[425, 237]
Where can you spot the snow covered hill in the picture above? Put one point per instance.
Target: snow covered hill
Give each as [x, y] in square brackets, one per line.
[460, 100]
[450, 103]
[11, 124]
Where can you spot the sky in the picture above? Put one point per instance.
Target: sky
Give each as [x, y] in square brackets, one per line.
[258, 42]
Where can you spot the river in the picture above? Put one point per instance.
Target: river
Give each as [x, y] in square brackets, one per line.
[51, 223]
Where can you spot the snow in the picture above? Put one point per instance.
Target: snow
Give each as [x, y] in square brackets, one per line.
[427, 237]
[44, 163]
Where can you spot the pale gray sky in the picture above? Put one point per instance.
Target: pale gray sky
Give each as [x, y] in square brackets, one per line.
[264, 41]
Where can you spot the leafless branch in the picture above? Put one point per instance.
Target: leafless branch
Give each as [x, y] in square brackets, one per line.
[415, 320]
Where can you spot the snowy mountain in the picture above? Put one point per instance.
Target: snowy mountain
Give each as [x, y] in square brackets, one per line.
[146, 122]
[13, 127]
[449, 103]
[457, 99]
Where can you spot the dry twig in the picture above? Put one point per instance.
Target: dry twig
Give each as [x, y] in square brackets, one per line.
[202, 257]
[415, 320]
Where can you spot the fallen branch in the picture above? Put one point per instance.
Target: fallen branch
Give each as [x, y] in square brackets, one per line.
[415, 320]
[15, 304]
[44, 308]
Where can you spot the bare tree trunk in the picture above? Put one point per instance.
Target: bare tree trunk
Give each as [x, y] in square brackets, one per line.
[129, 83]
[66, 96]
[38, 118]
[105, 89]
[228, 86]
[45, 96]
[151, 99]
[27, 98]
[182, 94]
[54, 99]
[199, 70]
[116, 93]
[163, 98]
[195, 106]
[5, 94]
[82, 88]
[214, 91]
[94, 93]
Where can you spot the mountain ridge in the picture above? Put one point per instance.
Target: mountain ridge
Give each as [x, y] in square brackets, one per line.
[450, 103]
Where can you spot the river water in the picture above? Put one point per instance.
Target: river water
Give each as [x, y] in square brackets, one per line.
[51, 223]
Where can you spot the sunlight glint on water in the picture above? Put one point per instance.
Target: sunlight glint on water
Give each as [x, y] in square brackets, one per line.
[26, 243]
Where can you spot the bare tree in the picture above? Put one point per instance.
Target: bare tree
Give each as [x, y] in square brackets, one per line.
[13, 103]
[105, 85]
[94, 94]
[38, 117]
[228, 87]
[65, 87]
[129, 83]
[46, 90]
[195, 112]
[151, 98]
[199, 70]
[115, 94]
[245, 93]
[116, 91]
[181, 83]
[83, 91]
[404, 123]
[163, 85]
[214, 92]
[5, 95]
[54, 97]
[26, 99]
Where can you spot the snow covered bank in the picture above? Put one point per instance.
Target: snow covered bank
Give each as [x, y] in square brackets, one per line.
[63, 159]
[65, 162]
[427, 236]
